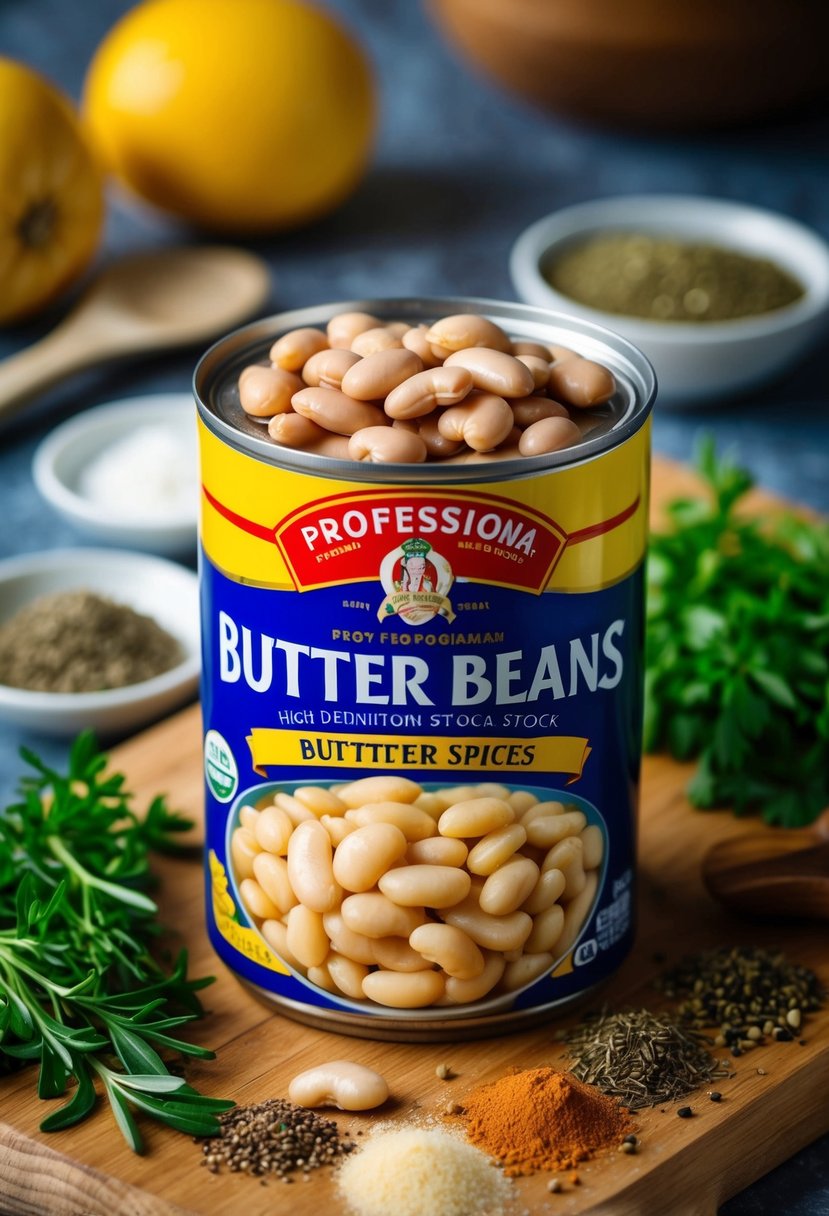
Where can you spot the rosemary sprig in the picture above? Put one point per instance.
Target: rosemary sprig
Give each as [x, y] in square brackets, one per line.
[81, 990]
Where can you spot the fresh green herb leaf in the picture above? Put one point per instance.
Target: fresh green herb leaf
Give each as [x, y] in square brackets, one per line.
[738, 650]
[81, 989]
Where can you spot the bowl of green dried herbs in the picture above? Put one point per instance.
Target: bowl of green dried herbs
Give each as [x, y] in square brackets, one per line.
[721, 296]
[98, 638]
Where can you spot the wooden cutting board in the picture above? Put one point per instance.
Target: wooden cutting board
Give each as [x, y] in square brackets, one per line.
[686, 1167]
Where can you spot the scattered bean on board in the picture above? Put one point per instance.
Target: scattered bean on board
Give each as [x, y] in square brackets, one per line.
[379, 890]
[387, 392]
[340, 1083]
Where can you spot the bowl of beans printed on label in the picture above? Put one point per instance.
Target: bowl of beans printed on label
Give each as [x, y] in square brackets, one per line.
[392, 895]
[457, 391]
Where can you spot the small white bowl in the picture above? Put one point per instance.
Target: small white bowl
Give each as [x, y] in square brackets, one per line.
[696, 363]
[61, 458]
[151, 585]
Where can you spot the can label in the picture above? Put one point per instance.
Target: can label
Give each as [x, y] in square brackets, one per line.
[453, 635]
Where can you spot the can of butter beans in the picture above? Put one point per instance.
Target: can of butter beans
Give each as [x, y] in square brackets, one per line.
[422, 699]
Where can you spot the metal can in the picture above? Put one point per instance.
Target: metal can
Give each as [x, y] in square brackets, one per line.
[473, 631]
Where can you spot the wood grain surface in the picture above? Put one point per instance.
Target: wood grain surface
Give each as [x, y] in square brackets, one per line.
[685, 1167]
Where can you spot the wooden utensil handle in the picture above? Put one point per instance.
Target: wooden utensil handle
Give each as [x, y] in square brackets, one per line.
[24, 375]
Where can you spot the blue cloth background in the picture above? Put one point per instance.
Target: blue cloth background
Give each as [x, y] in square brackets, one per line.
[460, 169]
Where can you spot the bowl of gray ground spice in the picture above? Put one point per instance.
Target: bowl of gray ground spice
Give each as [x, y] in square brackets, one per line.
[95, 638]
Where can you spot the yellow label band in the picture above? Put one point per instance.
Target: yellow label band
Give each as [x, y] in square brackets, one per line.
[271, 747]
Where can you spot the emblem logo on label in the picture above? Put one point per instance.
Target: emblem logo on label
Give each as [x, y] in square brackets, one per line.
[220, 768]
[416, 580]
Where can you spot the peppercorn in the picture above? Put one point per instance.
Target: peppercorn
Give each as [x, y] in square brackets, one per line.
[685, 1112]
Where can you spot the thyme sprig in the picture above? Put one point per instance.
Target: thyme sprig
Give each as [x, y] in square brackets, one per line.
[82, 991]
[738, 650]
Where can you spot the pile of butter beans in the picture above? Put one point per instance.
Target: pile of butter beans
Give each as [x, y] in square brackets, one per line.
[379, 890]
[458, 390]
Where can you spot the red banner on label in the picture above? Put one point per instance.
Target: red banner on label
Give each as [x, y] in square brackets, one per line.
[488, 539]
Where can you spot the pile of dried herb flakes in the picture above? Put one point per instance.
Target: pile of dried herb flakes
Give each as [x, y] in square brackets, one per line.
[641, 1058]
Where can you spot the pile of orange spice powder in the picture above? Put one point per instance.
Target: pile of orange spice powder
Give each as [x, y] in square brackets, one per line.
[541, 1119]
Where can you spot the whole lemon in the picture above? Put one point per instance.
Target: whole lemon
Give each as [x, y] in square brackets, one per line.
[239, 115]
[51, 197]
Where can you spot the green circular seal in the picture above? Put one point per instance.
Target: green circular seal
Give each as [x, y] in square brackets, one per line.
[220, 767]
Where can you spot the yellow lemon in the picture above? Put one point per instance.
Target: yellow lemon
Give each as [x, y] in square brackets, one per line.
[239, 115]
[51, 199]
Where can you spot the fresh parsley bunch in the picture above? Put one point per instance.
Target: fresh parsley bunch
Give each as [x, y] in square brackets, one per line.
[81, 990]
[738, 650]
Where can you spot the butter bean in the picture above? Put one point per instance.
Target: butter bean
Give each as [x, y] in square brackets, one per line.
[256, 901]
[437, 851]
[568, 856]
[342, 1084]
[333, 411]
[265, 391]
[319, 800]
[414, 823]
[345, 326]
[294, 431]
[415, 340]
[494, 371]
[376, 375]
[495, 848]
[466, 330]
[532, 409]
[547, 830]
[249, 815]
[275, 934]
[548, 435]
[333, 446]
[475, 817]
[371, 341]
[385, 445]
[294, 349]
[430, 804]
[293, 808]
[454, 793]
[593, 843]
[244, 848]
[365, 855]
[322, 977]
[437, 445]
[525, 969]
[559, 353]
[521, 801]
[327, 368]
[576, 913]
[494, 932]
[547, 928]
[307, 939]
[395, 954]
[540, 369]
[273, 830]
[272, 875]
[346, 942]
[581, 382]
[452, 949]
[426, 390]
[482, 421]
[337, 828]
[539, 809]
[462, 992]
[404, 991]
[491, 789]
[347, 974]
[425, 886]
[379, 789]
[506, 889]
[548, 889]
[310, 867]
[373, 915]
[524, 346]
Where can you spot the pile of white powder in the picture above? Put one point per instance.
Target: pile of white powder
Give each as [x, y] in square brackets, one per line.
[150, 474]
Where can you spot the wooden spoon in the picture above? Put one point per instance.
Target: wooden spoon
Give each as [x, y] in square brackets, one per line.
[144, 302]
[774, 873]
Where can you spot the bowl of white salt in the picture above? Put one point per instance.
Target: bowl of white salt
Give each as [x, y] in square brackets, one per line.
[126, 473]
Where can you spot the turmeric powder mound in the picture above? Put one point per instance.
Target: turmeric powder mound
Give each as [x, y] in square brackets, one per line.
[540, 1119]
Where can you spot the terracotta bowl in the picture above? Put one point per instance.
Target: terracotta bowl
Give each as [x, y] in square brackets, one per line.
[648, 64]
